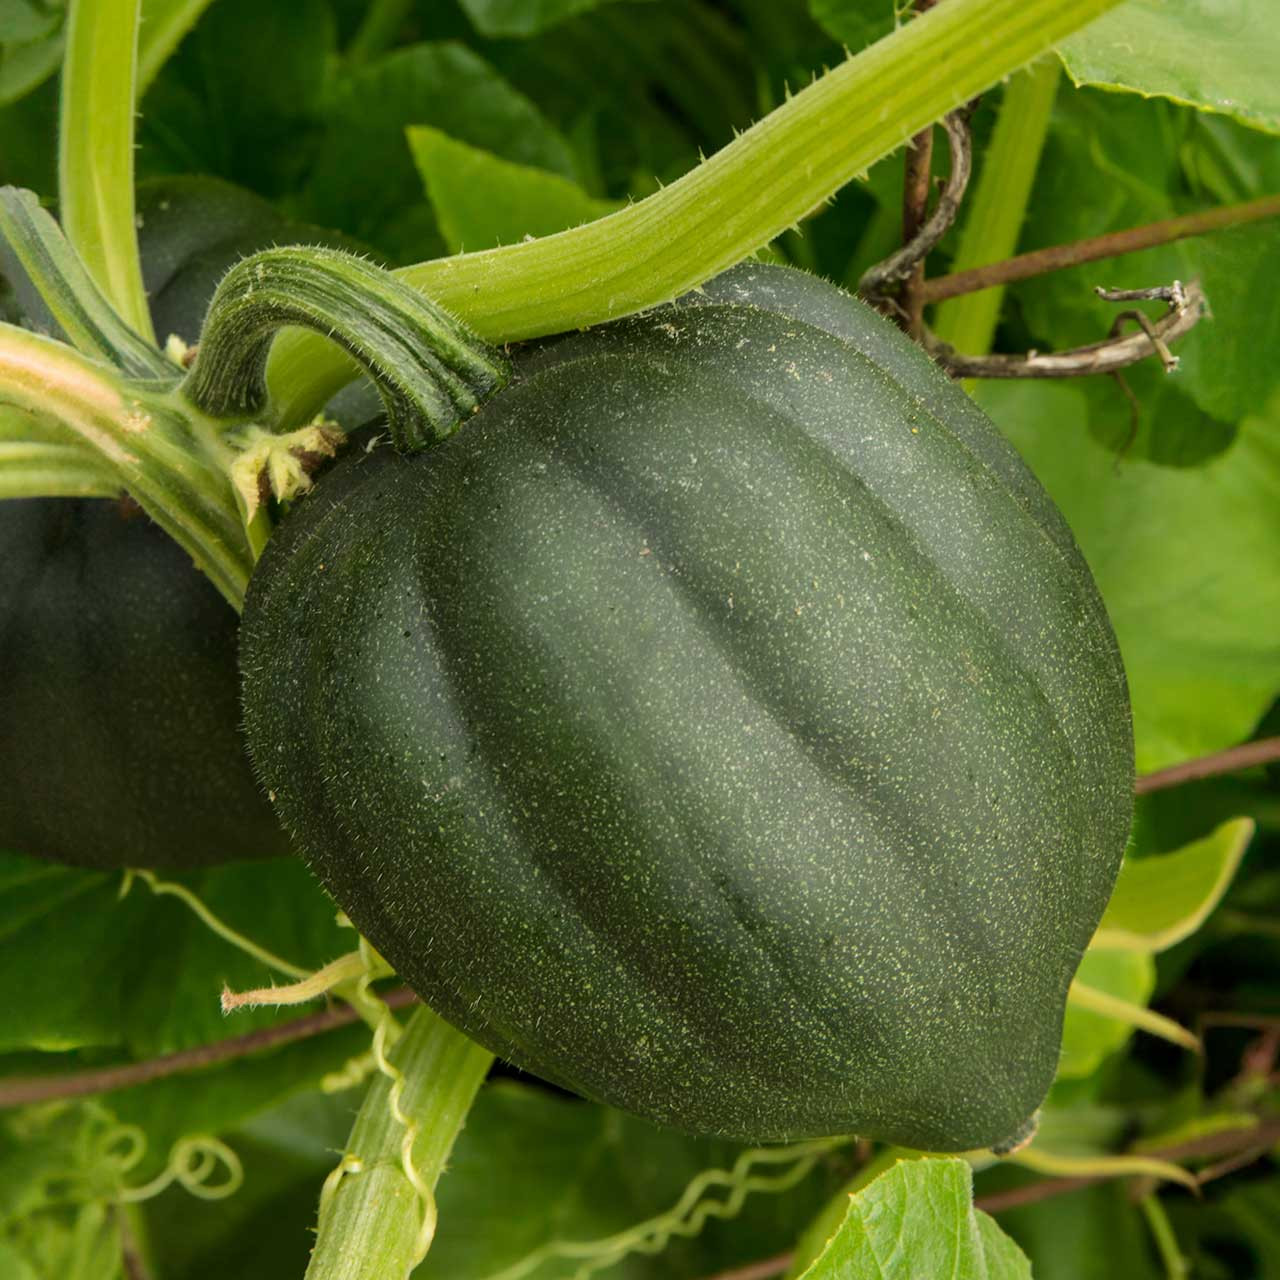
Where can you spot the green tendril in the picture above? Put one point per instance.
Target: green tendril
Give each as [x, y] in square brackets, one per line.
[224, 931]
[688, 1215]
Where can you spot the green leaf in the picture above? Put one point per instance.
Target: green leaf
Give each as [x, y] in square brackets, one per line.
[1088, 1037]
[80, 967]
[264, 1231]
[567, 1170]
[1230, 364]
[1212, 55]
[918, 1220]
[31, 40]
[364, 180]
[26, 64]
[164, 23]
[481, 200]
[1254, 1210]
[242, 96]
[523, 17]
[1159, 901]
[855, 23]
[22, 20]
[1175, 553]
[1095, 1232]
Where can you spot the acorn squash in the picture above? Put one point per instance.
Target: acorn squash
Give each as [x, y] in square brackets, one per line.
[722, 724]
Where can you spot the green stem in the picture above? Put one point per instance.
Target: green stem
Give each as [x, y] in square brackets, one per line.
[763, 182]
[999, 203]
[375, 1219]
[58, 275]
[378, 31]
[37, 469]
[1175, 1265]
[430, 372]
[169, 457]
[95, 151]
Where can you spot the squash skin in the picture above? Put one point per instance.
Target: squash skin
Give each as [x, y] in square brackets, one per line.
[722, 725]
[119, 708]
[119, 699]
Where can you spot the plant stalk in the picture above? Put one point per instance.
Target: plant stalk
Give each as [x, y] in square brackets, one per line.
[999, 204]
[95, 151]
[375, 1223]
[722, 211]
[168, 456]
[1112, 244]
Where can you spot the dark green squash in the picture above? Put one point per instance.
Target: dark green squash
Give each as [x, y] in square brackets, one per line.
[120, 740]
[722, 724]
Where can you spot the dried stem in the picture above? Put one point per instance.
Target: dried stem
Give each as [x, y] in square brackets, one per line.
[886, 284]
[1111, 245]
[19, 1091]
[1186, 307]
[1233, 760]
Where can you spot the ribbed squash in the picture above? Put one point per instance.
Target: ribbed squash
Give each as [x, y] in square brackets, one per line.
[722, 724]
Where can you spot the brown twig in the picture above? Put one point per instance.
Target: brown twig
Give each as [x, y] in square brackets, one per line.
[1112, 245]
[760, 1270]
[1233, 760]
[1117, 352]
[18, 1091]
[1229, 1142]
[1232, 1164]
[887, 283]
[916, 183]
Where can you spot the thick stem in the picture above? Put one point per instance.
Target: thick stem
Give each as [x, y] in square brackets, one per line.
[763, 182]
[376, 1219]
[58, 274]
[95, 151]
[171, 460]
[999, 203]
[429, 370]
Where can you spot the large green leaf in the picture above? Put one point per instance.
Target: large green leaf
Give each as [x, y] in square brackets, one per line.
[265, 1231]
[855, 23]
[30, 45]
[1218, 55]
[1184, 559]
[1159, 901]
[241, 96]
[481, 200]
[364, 180]
[533, 1173]
[1087, 1037]
[31, 40]
[1096, 1232]
[915, 1221]
[80, 967]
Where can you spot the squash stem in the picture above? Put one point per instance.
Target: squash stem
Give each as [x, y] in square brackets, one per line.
[377, 1211]
[430, 370]
[171, 459]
